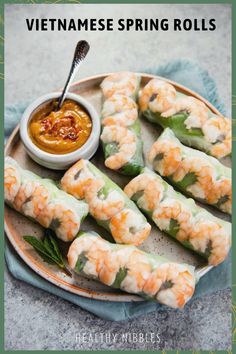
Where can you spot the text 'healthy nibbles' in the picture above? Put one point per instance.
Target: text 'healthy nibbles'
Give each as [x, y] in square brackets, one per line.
[190, 119]
[108, 204]
[62, 131]
[121, 133]
[40, 199]
[127, 268]
[180, 217]
[199, 175]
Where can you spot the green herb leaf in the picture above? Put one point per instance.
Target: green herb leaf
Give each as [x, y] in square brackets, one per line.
[81, 261]
[37, 244]
[179, 127]
[120, 276]
[48, 250]
[52, 245]
[47, 245]
[110, 149]
[222, 200]
[174, 227]
[187, 181]
[136, 196]
[46, 258]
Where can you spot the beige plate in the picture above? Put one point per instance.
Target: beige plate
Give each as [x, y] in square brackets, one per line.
[17, 225]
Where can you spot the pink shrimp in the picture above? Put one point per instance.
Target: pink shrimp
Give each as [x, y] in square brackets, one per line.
[100, 206]
[197, 111]
[157, 95]
[165, 155]
[218, 131]
[151, 189]
[119, 110]
[209, 236]
[129, 227]
[77, 179]
[127, 145]
[125, 83]
[172, 284]
[12, 182]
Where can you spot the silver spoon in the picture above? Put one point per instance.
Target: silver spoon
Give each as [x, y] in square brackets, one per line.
[81, 51]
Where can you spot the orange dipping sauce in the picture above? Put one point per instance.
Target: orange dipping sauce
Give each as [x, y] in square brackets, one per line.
[60, 132]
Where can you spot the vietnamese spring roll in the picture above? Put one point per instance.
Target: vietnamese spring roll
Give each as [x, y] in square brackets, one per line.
[40, 200]
[127, 268]
[121, 130]
[190, 119]
[108, 204]
[199, 175]
[180, 217]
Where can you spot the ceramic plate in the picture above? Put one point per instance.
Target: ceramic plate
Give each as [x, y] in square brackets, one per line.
[17, 225]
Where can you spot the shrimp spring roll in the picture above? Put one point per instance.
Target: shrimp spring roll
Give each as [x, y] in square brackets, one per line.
[40, 200]
[108, 204]
[190, 119]
[121, 133]
[180, 217]
[127, 268]
[199, 175]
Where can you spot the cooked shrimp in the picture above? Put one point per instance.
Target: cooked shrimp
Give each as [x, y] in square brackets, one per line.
[197, 111]
[218, 131]
[204, 173]
[129, 227]
[172, 284]
[78, 246]
[127, 145]
[116, 260]
[157, 95]
[24, 194]
[149, 189]
[124, 83]
[171, 209]
[104, 262]
[210, 237]
[98, 264]
[119, 110]
[165, 156]
[109, 269]
[63, 220]
[92, 256]
[37, 202]
[100, 206]
[12, 182]
[77, 179]
[138, 272]
[221, 195]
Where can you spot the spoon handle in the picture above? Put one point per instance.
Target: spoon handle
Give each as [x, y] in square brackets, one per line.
[81, 51]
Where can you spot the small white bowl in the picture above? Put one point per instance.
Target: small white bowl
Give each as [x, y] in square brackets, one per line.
[60, 161]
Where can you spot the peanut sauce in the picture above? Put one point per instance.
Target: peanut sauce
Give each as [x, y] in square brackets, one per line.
[60, 132]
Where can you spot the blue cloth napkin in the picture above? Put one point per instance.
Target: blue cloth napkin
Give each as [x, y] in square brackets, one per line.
[197, 79]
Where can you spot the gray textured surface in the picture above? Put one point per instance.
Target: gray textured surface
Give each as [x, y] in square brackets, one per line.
[38, 62]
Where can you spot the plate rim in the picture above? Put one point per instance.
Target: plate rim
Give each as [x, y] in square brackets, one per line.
[42, 271]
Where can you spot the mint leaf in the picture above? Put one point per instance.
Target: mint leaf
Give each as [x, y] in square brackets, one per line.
[56, 249]
[48, 250]
[37, 244]
[174, 227]
[81, 261]
[46, 258]
[120, 276]
[187, 181]
[52, 246]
